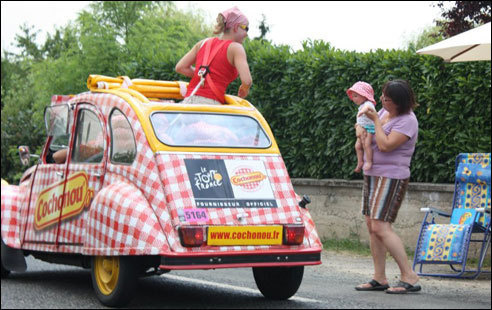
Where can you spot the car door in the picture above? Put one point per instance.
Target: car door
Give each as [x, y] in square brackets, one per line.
[48, 181]
[86, 167]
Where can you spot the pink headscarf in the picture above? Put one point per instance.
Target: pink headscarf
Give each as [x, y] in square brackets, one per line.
[233, 17]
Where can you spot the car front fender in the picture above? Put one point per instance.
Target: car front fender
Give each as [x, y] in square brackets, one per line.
[11, 219]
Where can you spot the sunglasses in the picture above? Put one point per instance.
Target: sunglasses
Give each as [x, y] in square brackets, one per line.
[244, 27]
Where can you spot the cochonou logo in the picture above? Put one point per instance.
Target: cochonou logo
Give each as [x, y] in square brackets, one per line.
[247, 178]
[52, 201]
[206, 179]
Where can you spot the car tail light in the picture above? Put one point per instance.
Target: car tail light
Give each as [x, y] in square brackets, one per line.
[191, 236]
[293, 234]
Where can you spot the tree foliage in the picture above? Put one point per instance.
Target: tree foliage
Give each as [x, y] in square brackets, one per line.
[134, 38]
[263, 27]
[63, 40]
[121, 16]
[463, 16]
[26, 41]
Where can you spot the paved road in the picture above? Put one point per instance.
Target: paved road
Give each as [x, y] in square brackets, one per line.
[330, 285]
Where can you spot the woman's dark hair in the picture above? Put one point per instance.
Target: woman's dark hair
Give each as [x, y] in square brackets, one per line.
[402, 95]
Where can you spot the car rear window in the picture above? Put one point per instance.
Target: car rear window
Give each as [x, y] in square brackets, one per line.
[209, 130]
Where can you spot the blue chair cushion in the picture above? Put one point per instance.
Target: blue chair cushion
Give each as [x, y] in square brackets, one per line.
[473, 184]
[474, 158]
[463, 216]
[473, 173]
[443, 243]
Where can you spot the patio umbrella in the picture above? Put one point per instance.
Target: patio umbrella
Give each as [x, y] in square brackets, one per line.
[470, 45]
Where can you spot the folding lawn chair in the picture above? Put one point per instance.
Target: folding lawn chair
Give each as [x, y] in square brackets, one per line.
[448, 244]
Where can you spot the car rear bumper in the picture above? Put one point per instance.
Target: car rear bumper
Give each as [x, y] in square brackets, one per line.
[241, 260]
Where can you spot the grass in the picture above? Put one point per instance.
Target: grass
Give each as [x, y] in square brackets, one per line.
[352, 245]
[355, 246]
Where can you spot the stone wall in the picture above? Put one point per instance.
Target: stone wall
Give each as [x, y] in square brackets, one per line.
[336, 207]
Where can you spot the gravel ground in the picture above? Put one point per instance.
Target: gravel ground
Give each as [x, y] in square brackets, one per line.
[363, 266]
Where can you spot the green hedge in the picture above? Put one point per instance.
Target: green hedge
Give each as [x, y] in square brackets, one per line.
[302, 96]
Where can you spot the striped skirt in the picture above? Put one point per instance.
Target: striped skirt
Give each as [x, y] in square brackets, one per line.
[382, 197]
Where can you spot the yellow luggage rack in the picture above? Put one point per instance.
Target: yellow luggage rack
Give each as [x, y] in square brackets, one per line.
[149, 90]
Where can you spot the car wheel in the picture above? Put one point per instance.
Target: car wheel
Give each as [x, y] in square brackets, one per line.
[278, 282]
[5, 271]
[114, 279]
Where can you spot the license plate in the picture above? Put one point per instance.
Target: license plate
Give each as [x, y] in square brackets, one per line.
[244, 235]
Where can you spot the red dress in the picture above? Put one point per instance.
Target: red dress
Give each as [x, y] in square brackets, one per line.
[221, 72]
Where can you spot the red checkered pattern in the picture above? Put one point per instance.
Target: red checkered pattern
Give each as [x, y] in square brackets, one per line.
[11, 202]
[11, 215]
[122, 222]
[60, 99]
[72, 230]
[135, 207]
[143, 177]
[179, 195]
[46, 176]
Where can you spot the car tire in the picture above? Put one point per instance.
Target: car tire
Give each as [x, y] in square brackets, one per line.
[5, 271]
[278, 283]
[114, 279]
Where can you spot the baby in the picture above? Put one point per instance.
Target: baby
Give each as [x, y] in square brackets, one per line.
[362, 94]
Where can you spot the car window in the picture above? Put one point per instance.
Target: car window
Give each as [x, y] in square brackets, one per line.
[59, 142]
[209, 130]
[57, 146]
[89, 141]
[57, 116]
[57, 119]
[123, 147]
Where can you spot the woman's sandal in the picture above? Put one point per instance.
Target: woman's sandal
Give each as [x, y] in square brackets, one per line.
[408, 288]
[375, 286]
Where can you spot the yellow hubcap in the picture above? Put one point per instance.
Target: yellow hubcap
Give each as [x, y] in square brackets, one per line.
[106, 271]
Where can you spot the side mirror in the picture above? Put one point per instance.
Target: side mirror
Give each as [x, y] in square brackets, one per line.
[25, 155]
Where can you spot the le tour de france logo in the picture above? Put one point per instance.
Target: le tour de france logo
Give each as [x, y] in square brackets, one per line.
[52, 201]
[207, 178]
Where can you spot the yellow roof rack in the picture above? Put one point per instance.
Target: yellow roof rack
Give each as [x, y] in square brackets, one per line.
[144, 89]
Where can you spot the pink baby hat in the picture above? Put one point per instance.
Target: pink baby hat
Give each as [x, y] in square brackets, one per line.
[364, 89]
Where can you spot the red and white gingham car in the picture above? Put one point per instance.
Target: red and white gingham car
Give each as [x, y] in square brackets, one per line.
[131, 182]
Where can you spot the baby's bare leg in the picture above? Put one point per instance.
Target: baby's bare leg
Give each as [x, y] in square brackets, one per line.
[367, 151]
[359, 149]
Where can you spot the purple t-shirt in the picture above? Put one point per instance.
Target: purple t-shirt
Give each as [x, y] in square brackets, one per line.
[395, 164]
